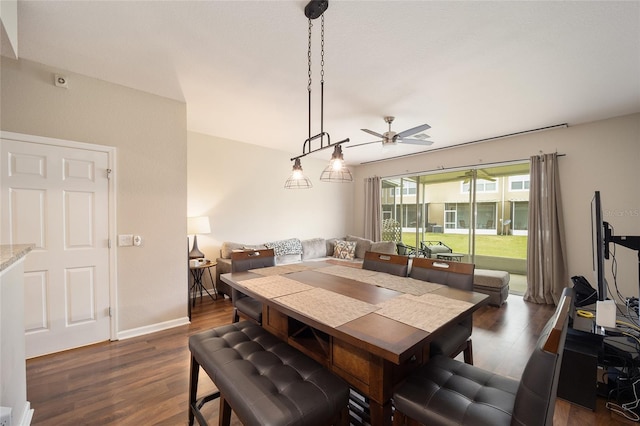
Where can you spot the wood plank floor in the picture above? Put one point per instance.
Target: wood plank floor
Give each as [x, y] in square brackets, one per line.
[144, 380]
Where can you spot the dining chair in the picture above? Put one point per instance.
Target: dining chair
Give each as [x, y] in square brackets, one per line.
[243, 261]
[394, 264]
[457, 337]
[446, 392]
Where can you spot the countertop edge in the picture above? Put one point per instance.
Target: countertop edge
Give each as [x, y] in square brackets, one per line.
[11, 253]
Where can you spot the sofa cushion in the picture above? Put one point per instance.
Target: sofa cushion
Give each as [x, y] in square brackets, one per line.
[344, 249]
[283, 247]
[228, 247]
[363, 245]
[314, 248]
[384, 247]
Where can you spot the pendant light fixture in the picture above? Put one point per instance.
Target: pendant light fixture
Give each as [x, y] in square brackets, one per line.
[336, 171]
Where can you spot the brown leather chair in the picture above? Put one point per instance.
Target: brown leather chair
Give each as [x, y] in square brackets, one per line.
[394, 264]
[446, 392]
[458, 275]
[243, 261]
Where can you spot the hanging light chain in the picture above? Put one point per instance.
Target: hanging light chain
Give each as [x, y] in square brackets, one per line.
[322, 48]
[309, 57]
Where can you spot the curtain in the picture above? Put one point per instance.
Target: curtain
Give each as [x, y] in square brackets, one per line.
[372, 209]
[546, 259]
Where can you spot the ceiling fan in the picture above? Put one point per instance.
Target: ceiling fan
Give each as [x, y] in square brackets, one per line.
[480, 174]
[411, 136]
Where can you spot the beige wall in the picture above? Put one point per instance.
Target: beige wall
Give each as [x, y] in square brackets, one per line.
[603, 155]
[149, 133]
[241, 188]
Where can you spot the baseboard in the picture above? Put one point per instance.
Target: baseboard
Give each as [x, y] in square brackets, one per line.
[27, 415]
[141, 331]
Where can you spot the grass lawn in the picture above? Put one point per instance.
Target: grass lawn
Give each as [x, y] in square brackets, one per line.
[512, 246]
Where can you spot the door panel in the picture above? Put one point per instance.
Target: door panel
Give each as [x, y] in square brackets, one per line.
[57, 199]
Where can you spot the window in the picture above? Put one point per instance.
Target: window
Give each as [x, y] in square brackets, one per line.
[481, 186]
[519, 183]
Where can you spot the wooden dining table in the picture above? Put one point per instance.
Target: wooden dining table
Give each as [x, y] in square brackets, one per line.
[370, 328]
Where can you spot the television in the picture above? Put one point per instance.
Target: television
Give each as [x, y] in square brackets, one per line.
[599, 245]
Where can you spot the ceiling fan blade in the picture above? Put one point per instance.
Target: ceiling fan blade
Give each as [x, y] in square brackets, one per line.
[371, 132]
[416, 142]
[360, 144]
[414, 130]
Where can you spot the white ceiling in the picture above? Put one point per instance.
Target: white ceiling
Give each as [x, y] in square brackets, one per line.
[472, 70]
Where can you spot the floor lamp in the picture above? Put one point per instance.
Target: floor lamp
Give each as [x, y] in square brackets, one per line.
[195, 226]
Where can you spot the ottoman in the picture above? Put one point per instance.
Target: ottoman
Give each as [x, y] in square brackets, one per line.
[493, 283]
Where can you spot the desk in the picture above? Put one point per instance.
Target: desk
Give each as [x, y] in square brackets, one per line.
[197, 272]
[372, 352]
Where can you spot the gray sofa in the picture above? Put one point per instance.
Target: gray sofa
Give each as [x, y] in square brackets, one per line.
[294, 250]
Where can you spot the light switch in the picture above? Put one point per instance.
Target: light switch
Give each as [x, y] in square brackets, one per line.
[125, 240]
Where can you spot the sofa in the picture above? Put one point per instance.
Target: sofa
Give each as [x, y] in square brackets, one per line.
[350, 249]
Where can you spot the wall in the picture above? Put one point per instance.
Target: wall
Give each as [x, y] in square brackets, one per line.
[241, 188]
[149, 133]
[603, 155]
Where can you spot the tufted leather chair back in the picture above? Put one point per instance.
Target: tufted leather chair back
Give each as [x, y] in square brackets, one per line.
[539, 383]
[453, 274]
[243, 261]
[390, 263]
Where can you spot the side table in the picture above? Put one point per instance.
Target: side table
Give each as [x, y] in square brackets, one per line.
[197, 272]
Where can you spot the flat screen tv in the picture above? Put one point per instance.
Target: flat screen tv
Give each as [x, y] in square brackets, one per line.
[599, 245]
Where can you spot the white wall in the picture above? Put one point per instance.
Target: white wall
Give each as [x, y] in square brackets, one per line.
[603, 155]
[241, 188]
[149, 133]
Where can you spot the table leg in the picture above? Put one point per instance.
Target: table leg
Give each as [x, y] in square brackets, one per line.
[380, 414]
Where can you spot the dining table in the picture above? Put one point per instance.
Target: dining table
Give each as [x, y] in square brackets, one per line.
[370, 328]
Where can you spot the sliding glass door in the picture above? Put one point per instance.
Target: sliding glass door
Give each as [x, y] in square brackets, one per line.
[480, 213]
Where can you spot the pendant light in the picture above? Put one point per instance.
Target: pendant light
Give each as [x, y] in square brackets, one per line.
[336, 171]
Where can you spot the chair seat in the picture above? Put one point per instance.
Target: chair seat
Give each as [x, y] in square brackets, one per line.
[449, 343]
[447, 392]
[250, 307]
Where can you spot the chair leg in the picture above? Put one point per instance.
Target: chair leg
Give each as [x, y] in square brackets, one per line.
[235, 317]
[193, 388]
[225, 412]
[468, 353]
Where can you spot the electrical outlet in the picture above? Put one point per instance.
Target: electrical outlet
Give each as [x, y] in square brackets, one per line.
[137, 240]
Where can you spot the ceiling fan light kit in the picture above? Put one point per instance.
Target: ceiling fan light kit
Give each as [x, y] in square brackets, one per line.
[336, 171]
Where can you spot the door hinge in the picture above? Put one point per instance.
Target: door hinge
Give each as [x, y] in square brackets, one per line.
[109, 173]
[109, 242]
[110, 312]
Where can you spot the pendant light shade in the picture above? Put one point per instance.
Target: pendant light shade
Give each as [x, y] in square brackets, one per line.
[297, 180]
[336, 171]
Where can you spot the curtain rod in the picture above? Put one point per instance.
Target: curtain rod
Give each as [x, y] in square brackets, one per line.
[468, 166]
[523, 132]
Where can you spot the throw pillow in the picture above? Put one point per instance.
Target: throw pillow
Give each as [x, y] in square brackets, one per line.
[363, 245]
[344, 250]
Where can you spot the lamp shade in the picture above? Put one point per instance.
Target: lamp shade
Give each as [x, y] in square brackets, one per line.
[198, 225]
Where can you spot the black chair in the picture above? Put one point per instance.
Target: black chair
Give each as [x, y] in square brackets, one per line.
[405, 250]
[243, 261]
[457, 337]
[394, 264]
[446, 392]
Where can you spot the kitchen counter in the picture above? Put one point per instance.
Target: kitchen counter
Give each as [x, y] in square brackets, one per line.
[11, 253]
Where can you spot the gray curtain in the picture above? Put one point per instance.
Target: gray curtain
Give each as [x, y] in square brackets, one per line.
[372, 209]
[546, 259]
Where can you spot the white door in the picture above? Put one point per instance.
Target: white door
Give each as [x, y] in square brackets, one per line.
[57, 198]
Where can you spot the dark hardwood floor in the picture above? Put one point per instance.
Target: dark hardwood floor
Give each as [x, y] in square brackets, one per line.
[144, 380]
